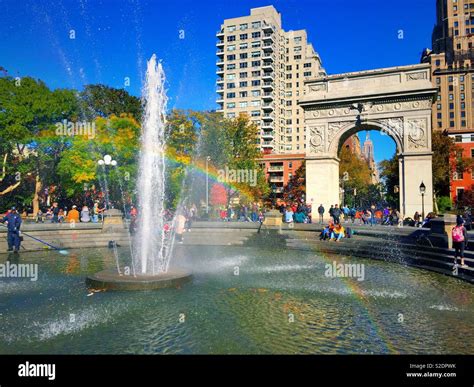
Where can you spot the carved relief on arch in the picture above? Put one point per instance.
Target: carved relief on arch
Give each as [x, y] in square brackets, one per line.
[317, 139]
[417, 134]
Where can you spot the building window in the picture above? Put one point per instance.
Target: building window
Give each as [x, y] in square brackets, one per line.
[231, 85]
[244, 26]
[231, 105]
[243, 55]
[243, 84]
[230, 95]
[231, 38]
[243, 46]
[231, 28]
[458, 138]
[231, 57]
[243, 36]
[256, 25]
[306, 65]
[307, 73]
[243, 94]
[255, 35]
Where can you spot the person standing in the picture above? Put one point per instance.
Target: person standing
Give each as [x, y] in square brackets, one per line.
[55, 212]
[180, 225]
[321, 213]
[459, 235]
[336, 214]
[13, 221]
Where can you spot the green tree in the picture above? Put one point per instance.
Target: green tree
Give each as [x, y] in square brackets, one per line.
[30, 149]
[104, 101]
[390, 177]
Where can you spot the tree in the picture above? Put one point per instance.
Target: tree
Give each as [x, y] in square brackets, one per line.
[30, 148]
[181, 142]
[355, 176]
[104, 101]
[390, 176]
[78, 167]
[232, 145]
[296, 187]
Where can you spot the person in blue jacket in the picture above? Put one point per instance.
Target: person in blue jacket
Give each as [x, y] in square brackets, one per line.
[13, 221]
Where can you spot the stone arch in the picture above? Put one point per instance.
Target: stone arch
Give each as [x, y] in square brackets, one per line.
[396, 101]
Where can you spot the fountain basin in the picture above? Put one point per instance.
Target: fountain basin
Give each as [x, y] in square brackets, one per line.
[111, 280]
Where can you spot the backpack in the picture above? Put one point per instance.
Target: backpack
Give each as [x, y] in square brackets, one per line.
[458, 234]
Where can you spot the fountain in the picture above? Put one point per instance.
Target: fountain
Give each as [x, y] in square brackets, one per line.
[152, 246]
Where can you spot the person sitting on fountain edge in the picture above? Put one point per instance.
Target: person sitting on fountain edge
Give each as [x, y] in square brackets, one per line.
[13, 221]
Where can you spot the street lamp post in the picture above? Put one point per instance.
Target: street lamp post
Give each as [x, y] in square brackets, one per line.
[106, 161]
[422, 191]
[207, 185]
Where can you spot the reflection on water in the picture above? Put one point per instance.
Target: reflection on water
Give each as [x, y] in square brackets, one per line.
[242, 300]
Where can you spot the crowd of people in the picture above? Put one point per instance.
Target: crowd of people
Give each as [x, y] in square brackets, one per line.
[253, 212]
[55, 214]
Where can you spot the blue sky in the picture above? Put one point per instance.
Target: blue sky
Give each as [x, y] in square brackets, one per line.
[114, 38]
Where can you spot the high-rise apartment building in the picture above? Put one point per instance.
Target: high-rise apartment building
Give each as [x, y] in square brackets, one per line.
[452, 63]
[261, 71]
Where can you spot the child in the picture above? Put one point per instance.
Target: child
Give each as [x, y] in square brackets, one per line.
[459, 235]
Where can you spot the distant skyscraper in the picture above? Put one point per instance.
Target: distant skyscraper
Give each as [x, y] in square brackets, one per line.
[368, 153]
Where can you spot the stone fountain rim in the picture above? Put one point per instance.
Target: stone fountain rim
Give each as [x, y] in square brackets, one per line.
[111, 280]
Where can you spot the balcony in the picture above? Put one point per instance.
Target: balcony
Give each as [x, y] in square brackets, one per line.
[267, 126]
[220, 71]
[220, 81]
[268, 28]
[267, 144]
[267, 106]
[276, 179]
[267, 66]
[220, 99]
[268, 96]
[268, 47]
[220, 62]
[268, 135]
[267, 86]
[220, 52]
[275, 168]
[220, 43]
[268, 57]
[268, 117]
[220, 90]
[220, 34]
[268, 76]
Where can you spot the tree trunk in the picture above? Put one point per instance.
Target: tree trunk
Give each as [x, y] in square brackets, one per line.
[38, 186]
